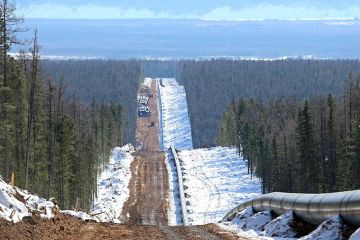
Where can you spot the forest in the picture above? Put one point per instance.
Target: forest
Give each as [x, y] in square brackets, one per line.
[212, 85]
[101, 81]
[299, 146]
[57, 129]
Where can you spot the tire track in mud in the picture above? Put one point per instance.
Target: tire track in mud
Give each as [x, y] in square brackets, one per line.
[147, 203]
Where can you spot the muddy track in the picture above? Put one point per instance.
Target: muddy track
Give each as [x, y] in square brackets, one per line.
[149, 185]
[148, 191]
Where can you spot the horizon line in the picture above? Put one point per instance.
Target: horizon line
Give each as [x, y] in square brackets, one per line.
[202, 19]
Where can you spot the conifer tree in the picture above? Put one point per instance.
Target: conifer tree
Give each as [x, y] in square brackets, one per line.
[331, 151]
[9, 27]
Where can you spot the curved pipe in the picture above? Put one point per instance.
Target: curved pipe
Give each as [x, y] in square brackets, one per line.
[311, 208]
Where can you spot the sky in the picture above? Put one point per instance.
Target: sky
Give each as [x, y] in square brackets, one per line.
[195, 9]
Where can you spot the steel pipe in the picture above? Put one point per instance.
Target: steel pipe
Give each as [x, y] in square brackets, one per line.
[311, 208]
[181, 187]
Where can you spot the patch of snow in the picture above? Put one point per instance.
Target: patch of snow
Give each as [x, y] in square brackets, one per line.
[147, 82]
[280, 227]
[355, 235]
[330, 229]
[16, 203]
[113, 184]
[240, 217]
[80, 215]
[243, 235]
[176, 128]
[257, 221]
[215, 181]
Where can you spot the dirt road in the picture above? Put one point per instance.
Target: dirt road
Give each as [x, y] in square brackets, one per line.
[147, 203]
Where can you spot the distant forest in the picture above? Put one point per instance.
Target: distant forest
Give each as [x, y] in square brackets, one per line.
[212, 85]
[104, 81]
[299, 146]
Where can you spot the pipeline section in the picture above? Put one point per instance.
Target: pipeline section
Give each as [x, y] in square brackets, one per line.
[311, 208]
[175, 156]
[181, 187]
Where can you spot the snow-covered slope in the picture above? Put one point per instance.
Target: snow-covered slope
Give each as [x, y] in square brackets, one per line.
[113, 184]
[16, 203]
[175, 125]
[216, 181]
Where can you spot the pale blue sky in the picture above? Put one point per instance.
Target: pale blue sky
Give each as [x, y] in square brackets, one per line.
[200, 9]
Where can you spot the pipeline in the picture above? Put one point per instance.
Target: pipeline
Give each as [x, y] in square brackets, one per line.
[181, 187]
[311, 208]
[176, 159]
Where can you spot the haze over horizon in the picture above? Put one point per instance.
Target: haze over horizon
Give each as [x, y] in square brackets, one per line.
[187, 9]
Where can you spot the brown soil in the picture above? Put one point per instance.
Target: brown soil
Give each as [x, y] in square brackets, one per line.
[147, 203]
[64, 227]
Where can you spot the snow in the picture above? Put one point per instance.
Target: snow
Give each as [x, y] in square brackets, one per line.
[240, 217]
[355, 235]
[215, 181]
[280, 227]
[147, 82]
[80, 215]
[330, 229]
[113, 184]
[16, 203]
[176, 128]
[262, 226]
[257, 221]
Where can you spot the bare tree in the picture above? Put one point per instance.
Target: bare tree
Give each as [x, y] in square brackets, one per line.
[31, 110]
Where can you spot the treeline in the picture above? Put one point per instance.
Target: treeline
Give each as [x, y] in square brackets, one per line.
[160, 68]
[211, 86]
[103, 80]
[49, 144]
[299, 146]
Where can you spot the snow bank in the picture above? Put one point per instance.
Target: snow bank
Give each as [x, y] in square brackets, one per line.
[176, 128]
[262, 226]
[280, 227]
[16, 203]
[330, 229]
[248, 224]
[257, 221]
[215, 181]
[80, 215]
[355, 235]
[113, 184]
[240, 217]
